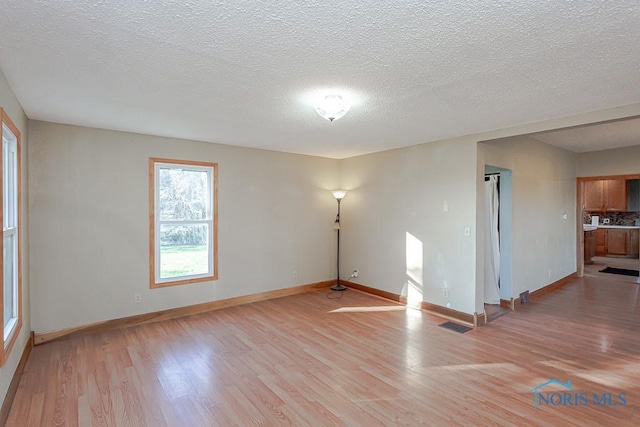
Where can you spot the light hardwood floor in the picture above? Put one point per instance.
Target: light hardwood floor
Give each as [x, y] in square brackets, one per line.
[600, 262]
[307, 360]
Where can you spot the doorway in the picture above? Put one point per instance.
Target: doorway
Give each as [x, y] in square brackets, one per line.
[608, 236]
[498, 285]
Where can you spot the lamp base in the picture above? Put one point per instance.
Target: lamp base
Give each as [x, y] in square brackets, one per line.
[338, 287]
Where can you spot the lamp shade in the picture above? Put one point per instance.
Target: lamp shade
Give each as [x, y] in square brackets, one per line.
[339, 194]
[332, 107]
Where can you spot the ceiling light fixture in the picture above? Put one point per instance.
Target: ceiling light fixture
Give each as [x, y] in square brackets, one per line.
[332, 107]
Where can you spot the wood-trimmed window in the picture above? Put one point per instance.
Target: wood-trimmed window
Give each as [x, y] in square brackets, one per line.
[10, 247]
[183, 214]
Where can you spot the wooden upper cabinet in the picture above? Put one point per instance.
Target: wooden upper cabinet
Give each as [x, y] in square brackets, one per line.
[616, 195]
[594, 195]
[605, 195]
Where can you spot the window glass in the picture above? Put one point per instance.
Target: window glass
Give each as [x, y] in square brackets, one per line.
[184, 222]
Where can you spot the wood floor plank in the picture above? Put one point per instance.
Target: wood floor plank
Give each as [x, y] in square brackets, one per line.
[357, 360]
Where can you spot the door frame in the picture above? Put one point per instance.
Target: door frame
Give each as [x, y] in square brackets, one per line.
[580, 214]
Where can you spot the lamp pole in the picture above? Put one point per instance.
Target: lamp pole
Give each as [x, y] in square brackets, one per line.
[338, 286]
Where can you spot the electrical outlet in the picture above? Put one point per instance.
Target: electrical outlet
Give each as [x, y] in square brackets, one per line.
[295, 274]
[445, 292]
[355, 273]
[137, 298]
[467, 231]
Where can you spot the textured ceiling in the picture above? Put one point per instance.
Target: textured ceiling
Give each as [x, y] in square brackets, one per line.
[596, 137]
[246, 72]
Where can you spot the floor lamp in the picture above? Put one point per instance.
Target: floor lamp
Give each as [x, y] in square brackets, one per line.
[339, 195]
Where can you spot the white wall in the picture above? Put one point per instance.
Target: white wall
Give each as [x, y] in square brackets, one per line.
[620, 161]
[394, 228]
[89, 207]
[11, 106]
[544, 188]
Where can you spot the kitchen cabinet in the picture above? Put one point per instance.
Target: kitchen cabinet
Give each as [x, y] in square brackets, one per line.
[615, 195]
[605, 195]
[594, 195]
[634, 245]
[617, 242]
[589, 246]
[601, 241]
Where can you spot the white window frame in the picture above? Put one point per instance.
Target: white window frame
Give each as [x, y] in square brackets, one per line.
[211, 221]
[11, 196]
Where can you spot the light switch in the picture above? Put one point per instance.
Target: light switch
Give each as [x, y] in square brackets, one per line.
[445, 206]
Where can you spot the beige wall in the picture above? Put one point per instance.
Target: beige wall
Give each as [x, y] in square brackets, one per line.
[10, 104]
[396, 203]
[620, 161]
[396, 232]
[544, 189]
[89, 207]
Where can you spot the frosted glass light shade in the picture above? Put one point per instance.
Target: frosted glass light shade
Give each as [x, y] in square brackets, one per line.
[332, 107]
[339, 194]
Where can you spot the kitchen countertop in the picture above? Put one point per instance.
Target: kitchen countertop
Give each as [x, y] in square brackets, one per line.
[588, 227]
